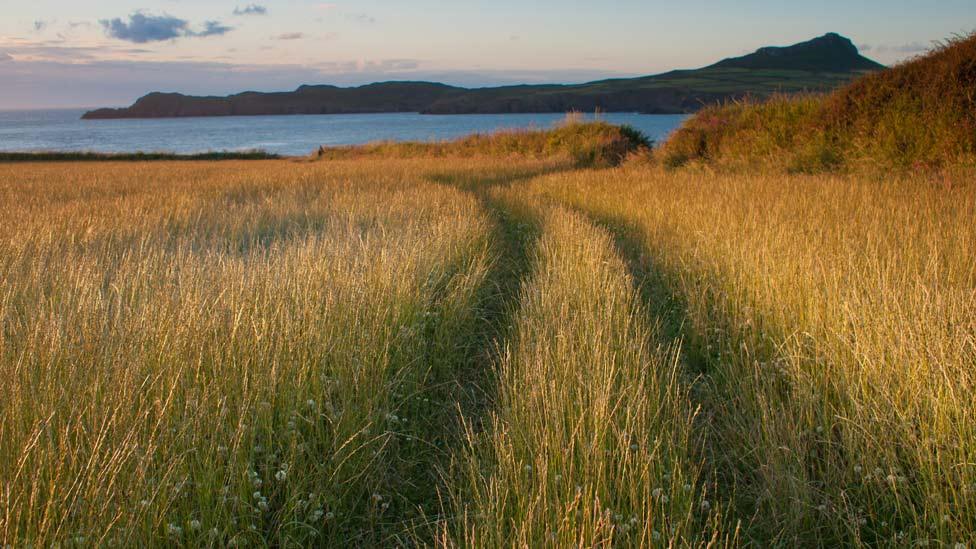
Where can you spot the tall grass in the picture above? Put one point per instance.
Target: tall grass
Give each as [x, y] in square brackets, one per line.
[237, 355]
[284, 353]
[834, 321]
[590, 440]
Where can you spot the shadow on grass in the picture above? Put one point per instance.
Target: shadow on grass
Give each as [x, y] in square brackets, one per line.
[668, 309]
[470, 387]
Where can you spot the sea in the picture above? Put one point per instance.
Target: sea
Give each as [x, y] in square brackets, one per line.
[64, 130]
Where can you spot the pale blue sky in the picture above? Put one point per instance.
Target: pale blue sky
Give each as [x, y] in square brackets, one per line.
[109, 52]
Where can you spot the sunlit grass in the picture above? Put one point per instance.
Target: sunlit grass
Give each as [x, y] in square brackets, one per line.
[226, 354]
[484, 350]
[589, 442]
[834, 320]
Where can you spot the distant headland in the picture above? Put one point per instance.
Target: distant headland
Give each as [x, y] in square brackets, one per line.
[821, 64]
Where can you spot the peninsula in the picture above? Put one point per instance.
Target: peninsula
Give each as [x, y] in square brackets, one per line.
[821, 64]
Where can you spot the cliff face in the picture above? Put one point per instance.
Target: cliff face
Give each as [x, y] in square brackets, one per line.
[820, 64]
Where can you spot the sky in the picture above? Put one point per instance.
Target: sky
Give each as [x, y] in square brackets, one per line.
[110, 52]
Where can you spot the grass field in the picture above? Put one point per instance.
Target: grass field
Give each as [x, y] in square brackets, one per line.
[528, 339]
[483, 352]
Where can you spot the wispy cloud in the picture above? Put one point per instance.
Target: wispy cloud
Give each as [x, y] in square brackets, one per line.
[142, 28]
[362, 18]
[251, 9]
[40, 25]
[211, 28]
[290, 36]
[56, 51]
[909, 48]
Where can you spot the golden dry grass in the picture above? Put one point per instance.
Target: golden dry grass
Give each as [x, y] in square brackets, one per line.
[833, 321]
[483, 352]
[220, 353]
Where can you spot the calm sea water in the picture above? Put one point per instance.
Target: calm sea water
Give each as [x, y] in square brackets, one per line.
[63, 130]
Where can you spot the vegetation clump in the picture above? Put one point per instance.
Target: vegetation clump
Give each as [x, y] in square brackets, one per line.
[917, 115]
[586, 144]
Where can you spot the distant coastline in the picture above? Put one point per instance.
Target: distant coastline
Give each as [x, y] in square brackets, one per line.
[821, 64]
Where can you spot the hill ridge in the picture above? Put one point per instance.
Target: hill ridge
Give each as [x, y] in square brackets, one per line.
[821, 64]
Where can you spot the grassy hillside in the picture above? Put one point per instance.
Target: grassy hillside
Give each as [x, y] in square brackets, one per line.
[921, 114]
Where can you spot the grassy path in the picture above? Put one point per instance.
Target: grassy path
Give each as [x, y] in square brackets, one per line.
[465, 392]
[587, 438]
